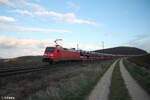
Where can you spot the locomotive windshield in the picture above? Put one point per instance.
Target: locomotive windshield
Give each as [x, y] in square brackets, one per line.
[49, 49]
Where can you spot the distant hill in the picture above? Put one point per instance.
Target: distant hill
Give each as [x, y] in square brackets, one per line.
[29, 57]
[123, 51]
[21, 61]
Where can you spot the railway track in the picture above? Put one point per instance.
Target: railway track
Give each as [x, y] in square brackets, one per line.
[18, 70]
[9, 71]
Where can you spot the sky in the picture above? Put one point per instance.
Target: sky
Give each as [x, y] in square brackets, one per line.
[28, 26]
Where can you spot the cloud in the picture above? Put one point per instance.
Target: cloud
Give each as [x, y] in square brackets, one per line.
[89, 47]
[68, 17]
[81, 46]
[43, 13]
[140, 41]
[70, 5]
[14, 42]
[79, 21]
[13, 46]
[22, 4]
[139, 38]
[7, 19]
[142, 36]
[39, 10]
[7, 3]
[29, 5]
[143, 45]
[23, 12]
[5, 27]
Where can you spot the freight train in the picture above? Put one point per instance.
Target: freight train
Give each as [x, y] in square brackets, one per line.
[58, 54]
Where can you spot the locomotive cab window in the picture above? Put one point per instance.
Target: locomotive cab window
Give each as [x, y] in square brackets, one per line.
[57, 50]
[49, 49]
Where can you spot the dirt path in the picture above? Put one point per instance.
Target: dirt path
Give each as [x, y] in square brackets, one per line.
[136, 92]
[101, 90]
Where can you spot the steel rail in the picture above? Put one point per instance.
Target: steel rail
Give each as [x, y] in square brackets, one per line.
[19, 70]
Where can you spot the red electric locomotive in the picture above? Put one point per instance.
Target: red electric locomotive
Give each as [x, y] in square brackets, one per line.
[57, 54]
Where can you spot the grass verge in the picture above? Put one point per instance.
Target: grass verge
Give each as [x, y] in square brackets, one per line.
[118, 90]
[77, 88]
[142, 76]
